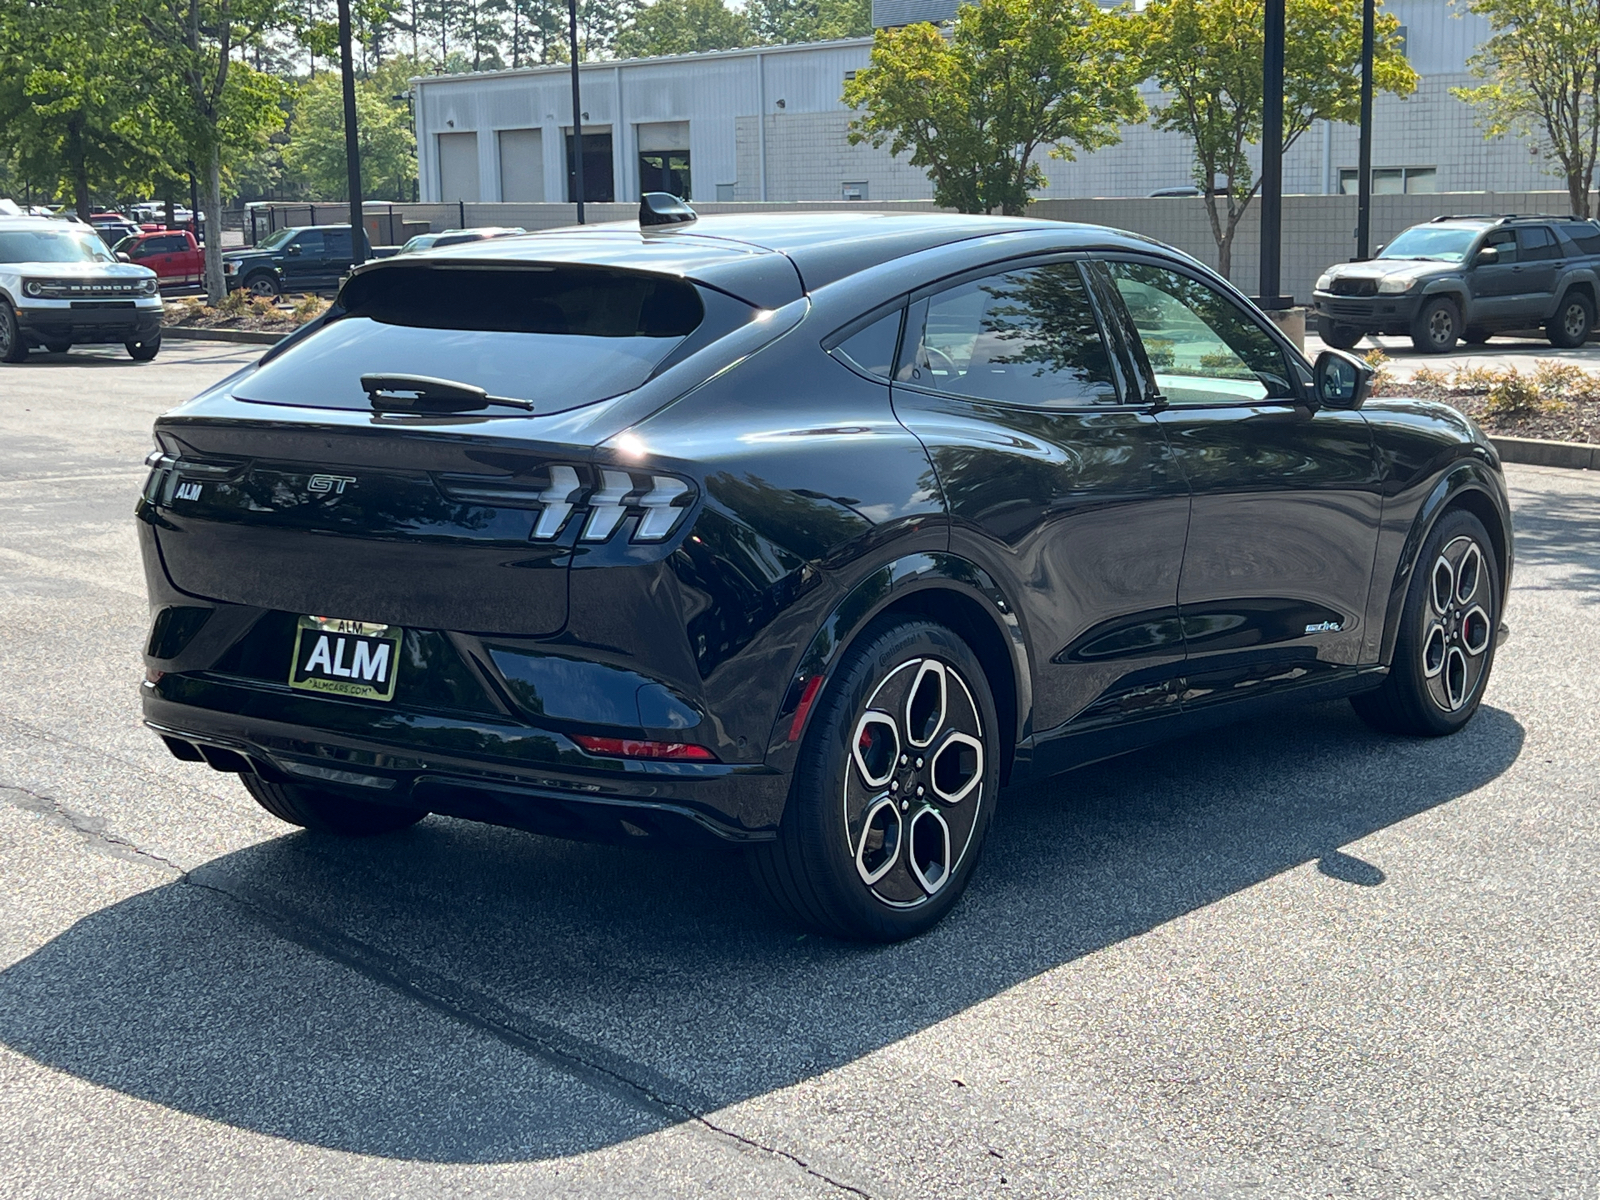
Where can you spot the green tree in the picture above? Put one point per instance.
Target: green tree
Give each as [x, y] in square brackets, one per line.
[73, 114]
[316, 140]
[1206, 56]
[683, 27]
[214, 103]
[783, 21]
[1014, 76]
[1541, 68]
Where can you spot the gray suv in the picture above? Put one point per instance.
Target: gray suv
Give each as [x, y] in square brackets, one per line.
[1468, 278]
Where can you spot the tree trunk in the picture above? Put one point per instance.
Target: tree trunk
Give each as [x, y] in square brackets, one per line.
[211, 204]
[78, 167]
[1578, 194]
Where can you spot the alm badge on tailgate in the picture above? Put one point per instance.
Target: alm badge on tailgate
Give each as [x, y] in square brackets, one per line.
[347, 658]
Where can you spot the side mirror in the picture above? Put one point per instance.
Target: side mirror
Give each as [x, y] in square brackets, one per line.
[1377, 250]
[124, 256]
[291, 249]
[1342, 379]
[1486, 256]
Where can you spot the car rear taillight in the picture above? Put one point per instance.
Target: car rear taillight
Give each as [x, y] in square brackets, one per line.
[600, 497]
[633, 748]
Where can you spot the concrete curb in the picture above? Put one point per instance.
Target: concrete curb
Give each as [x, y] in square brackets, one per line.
[247, 336]
[1540, 453]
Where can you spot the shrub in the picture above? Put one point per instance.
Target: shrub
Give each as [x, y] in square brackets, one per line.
[1382, 377]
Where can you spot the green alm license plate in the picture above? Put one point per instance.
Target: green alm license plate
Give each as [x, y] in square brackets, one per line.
[346, 658]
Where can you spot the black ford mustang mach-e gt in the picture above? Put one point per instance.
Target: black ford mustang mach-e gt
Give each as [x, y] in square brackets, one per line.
[805, 534]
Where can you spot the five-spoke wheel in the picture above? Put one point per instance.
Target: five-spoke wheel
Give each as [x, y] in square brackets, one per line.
[893, 790]
[1445, 649]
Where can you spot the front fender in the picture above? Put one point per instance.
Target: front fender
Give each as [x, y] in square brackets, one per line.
[1468, 483]
[913, 582]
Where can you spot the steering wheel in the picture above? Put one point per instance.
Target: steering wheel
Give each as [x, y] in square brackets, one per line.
[949, 364]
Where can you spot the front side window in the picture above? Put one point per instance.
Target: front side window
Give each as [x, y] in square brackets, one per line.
[310, 242]
[1504, 243]
[1026, 337]
[1203, 348]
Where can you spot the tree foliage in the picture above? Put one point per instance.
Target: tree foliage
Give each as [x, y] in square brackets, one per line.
[684, 27]
[783, 21]
[316, 152]
[1206, 56]
[1541, 68]
[1013, 77]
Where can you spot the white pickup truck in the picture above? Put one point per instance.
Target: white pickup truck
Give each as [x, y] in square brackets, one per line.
[60, 287]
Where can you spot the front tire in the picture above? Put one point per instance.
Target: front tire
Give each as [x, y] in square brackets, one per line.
[1448, 628]
[144, 349]
[1574, 318]
[13, 346]
[58, 347]
[894, 789]
[1340, 337]
[1437, 327]
[323, 811]
[263, 285]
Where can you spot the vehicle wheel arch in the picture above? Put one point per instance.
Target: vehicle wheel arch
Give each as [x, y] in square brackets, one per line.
[940, 587]
[1453, 291]
[1465, 486]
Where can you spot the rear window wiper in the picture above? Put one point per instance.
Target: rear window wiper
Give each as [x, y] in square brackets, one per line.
[424, 393]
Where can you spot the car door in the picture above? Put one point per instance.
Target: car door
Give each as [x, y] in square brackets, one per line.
[1538, 265]
[337, 256]
[1495, 285]
[165, 260]
[302, 261]
[1286, 496]
[1059, 483]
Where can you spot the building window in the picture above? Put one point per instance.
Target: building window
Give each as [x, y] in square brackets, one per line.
[665, 171]
[1392, 181]
[855, 191]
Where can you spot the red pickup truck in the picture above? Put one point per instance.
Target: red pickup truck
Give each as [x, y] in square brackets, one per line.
[173, 255]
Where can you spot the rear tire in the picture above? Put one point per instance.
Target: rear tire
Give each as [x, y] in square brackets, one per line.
[1445, 650]
[13, 346]
[145, 349]
[1573, 320]
[894, 789]
[328, 812]
[1437, 327]
[1340, 337]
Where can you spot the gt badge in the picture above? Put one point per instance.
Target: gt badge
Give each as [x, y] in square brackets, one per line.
[323, 484]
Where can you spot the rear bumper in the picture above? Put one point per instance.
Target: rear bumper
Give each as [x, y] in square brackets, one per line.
[89, 321]
[475, 767]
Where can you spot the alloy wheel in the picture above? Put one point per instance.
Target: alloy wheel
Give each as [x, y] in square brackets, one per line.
[1441, 326]
[1575, 321]
[913, 782]
[1457, 627]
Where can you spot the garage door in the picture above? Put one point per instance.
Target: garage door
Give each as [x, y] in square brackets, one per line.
[521, 165]
[458, 166]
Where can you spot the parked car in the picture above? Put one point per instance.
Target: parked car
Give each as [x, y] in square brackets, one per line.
[1468, 278]
[112, 228]
[60, 286]
[799, 534]
[173, 255]
[299, 259]
[456, 237]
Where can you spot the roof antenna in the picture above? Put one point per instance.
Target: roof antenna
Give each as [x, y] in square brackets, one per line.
[663, 208]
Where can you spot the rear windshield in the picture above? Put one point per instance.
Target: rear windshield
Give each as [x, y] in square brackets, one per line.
[557, 336]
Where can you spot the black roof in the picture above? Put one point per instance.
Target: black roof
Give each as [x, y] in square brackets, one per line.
[766, 258]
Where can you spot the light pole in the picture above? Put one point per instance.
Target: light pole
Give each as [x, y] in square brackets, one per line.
[1364, 157]
[352, 143]
[1272, 160]
[577, 109]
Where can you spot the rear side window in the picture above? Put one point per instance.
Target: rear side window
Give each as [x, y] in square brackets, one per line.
[559, 337]
[1025, 337]
[872, 349]
[1535, 242]
[1585, 235]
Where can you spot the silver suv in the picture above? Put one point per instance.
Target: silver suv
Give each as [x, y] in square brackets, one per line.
[60, 286]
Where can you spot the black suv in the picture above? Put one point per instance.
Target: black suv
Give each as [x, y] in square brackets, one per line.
[802, 534]
[1468, 278]
[307, 259]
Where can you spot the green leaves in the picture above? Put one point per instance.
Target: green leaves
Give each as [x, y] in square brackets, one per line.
[1014, 76]
[684, 27]
[1206, 55]
[383, 127]
[1541, 68]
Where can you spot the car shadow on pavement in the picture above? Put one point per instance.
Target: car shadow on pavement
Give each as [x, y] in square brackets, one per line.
[573, 997]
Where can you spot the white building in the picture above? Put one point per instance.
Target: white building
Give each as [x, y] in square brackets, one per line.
[769, 124]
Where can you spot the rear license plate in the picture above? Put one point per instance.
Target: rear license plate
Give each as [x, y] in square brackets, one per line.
[347, 658]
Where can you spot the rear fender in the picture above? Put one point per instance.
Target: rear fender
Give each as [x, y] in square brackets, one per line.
[939, 585]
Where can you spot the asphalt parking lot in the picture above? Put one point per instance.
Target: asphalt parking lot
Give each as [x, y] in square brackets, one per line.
[1289, 959]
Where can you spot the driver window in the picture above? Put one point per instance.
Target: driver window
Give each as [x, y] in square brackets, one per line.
[1026, 337]
[1203, 348]
[1505, 243]
[310, 242]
